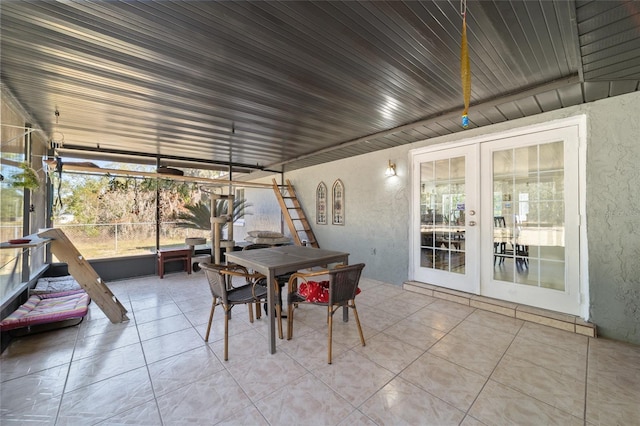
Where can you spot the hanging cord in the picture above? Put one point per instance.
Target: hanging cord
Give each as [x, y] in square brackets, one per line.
[57, 201]
[465, 73]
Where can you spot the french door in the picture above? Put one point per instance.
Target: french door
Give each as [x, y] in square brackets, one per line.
[500, 218]
[446, 215]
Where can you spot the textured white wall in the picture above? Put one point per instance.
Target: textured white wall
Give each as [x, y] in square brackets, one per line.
[613, 216]
[376, 229]
[376, 222]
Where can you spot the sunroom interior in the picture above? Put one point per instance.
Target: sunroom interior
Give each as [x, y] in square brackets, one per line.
[237, 94]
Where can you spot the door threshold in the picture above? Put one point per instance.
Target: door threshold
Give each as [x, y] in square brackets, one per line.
[553, 319]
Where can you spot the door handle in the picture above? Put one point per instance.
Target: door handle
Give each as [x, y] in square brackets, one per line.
[472, 223]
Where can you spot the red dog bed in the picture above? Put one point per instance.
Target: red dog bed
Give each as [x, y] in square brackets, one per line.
[48, 308]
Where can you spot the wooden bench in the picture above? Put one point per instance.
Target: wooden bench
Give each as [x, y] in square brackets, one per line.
[171, 255]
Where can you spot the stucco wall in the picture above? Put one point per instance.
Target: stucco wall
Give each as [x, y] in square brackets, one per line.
[376, 210]
[613, 216]
[376, 229]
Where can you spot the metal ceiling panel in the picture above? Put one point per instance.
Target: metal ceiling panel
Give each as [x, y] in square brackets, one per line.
[292, 84]
[571, 95]
[528, 106]
[510, 110]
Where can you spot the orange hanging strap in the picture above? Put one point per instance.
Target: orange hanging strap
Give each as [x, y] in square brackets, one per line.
[465, 72]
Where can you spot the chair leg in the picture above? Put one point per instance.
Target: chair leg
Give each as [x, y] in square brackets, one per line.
[355, 315]
[279, 317]
[226, 333]
[250, 306]
[258, 310]
[330, 319]
[290, 321]
[213, 307]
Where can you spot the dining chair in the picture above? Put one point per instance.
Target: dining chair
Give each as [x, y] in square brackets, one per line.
[499, 247]
[226, 295]
[342, 290]
[281, 280]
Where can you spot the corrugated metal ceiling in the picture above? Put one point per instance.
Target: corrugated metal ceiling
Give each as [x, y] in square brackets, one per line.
[291, 84]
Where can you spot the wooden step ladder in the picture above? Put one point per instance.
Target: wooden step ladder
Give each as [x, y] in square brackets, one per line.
[84, 273]
[294, 215]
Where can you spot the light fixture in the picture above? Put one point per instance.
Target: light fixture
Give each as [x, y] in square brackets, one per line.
[391, 170]
[57, 137]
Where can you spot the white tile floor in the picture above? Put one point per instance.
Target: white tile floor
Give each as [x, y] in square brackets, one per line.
[427, 361]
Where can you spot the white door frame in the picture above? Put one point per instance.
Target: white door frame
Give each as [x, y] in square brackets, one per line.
[466, 281]
[579, 122]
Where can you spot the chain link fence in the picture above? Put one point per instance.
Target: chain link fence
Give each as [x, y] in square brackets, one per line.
[102, 240]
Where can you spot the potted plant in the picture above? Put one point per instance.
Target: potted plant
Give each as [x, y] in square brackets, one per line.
[27, 178]
[198, 216]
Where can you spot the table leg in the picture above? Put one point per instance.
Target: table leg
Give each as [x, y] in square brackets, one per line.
[271, 303]
[345, 310]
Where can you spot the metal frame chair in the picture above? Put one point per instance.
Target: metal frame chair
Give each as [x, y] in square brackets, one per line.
[343, 287]
[227, 296]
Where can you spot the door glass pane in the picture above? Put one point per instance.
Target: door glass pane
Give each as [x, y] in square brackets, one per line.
[442, 215]
[528, 194]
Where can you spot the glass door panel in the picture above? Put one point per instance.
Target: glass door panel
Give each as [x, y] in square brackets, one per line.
[528, 220]
[443, 237]
[442, 215]
[529, 215]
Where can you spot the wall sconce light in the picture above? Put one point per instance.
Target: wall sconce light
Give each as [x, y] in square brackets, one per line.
[391, 170]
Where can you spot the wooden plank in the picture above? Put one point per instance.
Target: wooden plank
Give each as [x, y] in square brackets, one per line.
[86, 276]
[286, 213]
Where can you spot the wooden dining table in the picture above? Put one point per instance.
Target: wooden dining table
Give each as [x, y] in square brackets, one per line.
[275, 261]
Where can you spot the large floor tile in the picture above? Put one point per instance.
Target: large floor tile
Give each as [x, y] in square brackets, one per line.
[171, 344]
[146, 414]
[402, 403]
[306, 401]
[415, 333]
[501, 405]
[92, 328]
[450, 382]
[206, 401]
[561, 360]
[489, 337]
[389, 352]
[554, 337]
[93, 369]
[103, 342]
[435, 319]
[180, 370]
[25, 393]
[562, 392]
[471, 355]
[357, 418]
[152, 329]
[258, 378]
[426, 361]
[23, 360]
[354, 377]
[613, 383]
[496, 321]
[373, 317]
[155, 313]
[102, 400]
[311, 350]
[451, 308]
[244, 417]
[44, 412]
